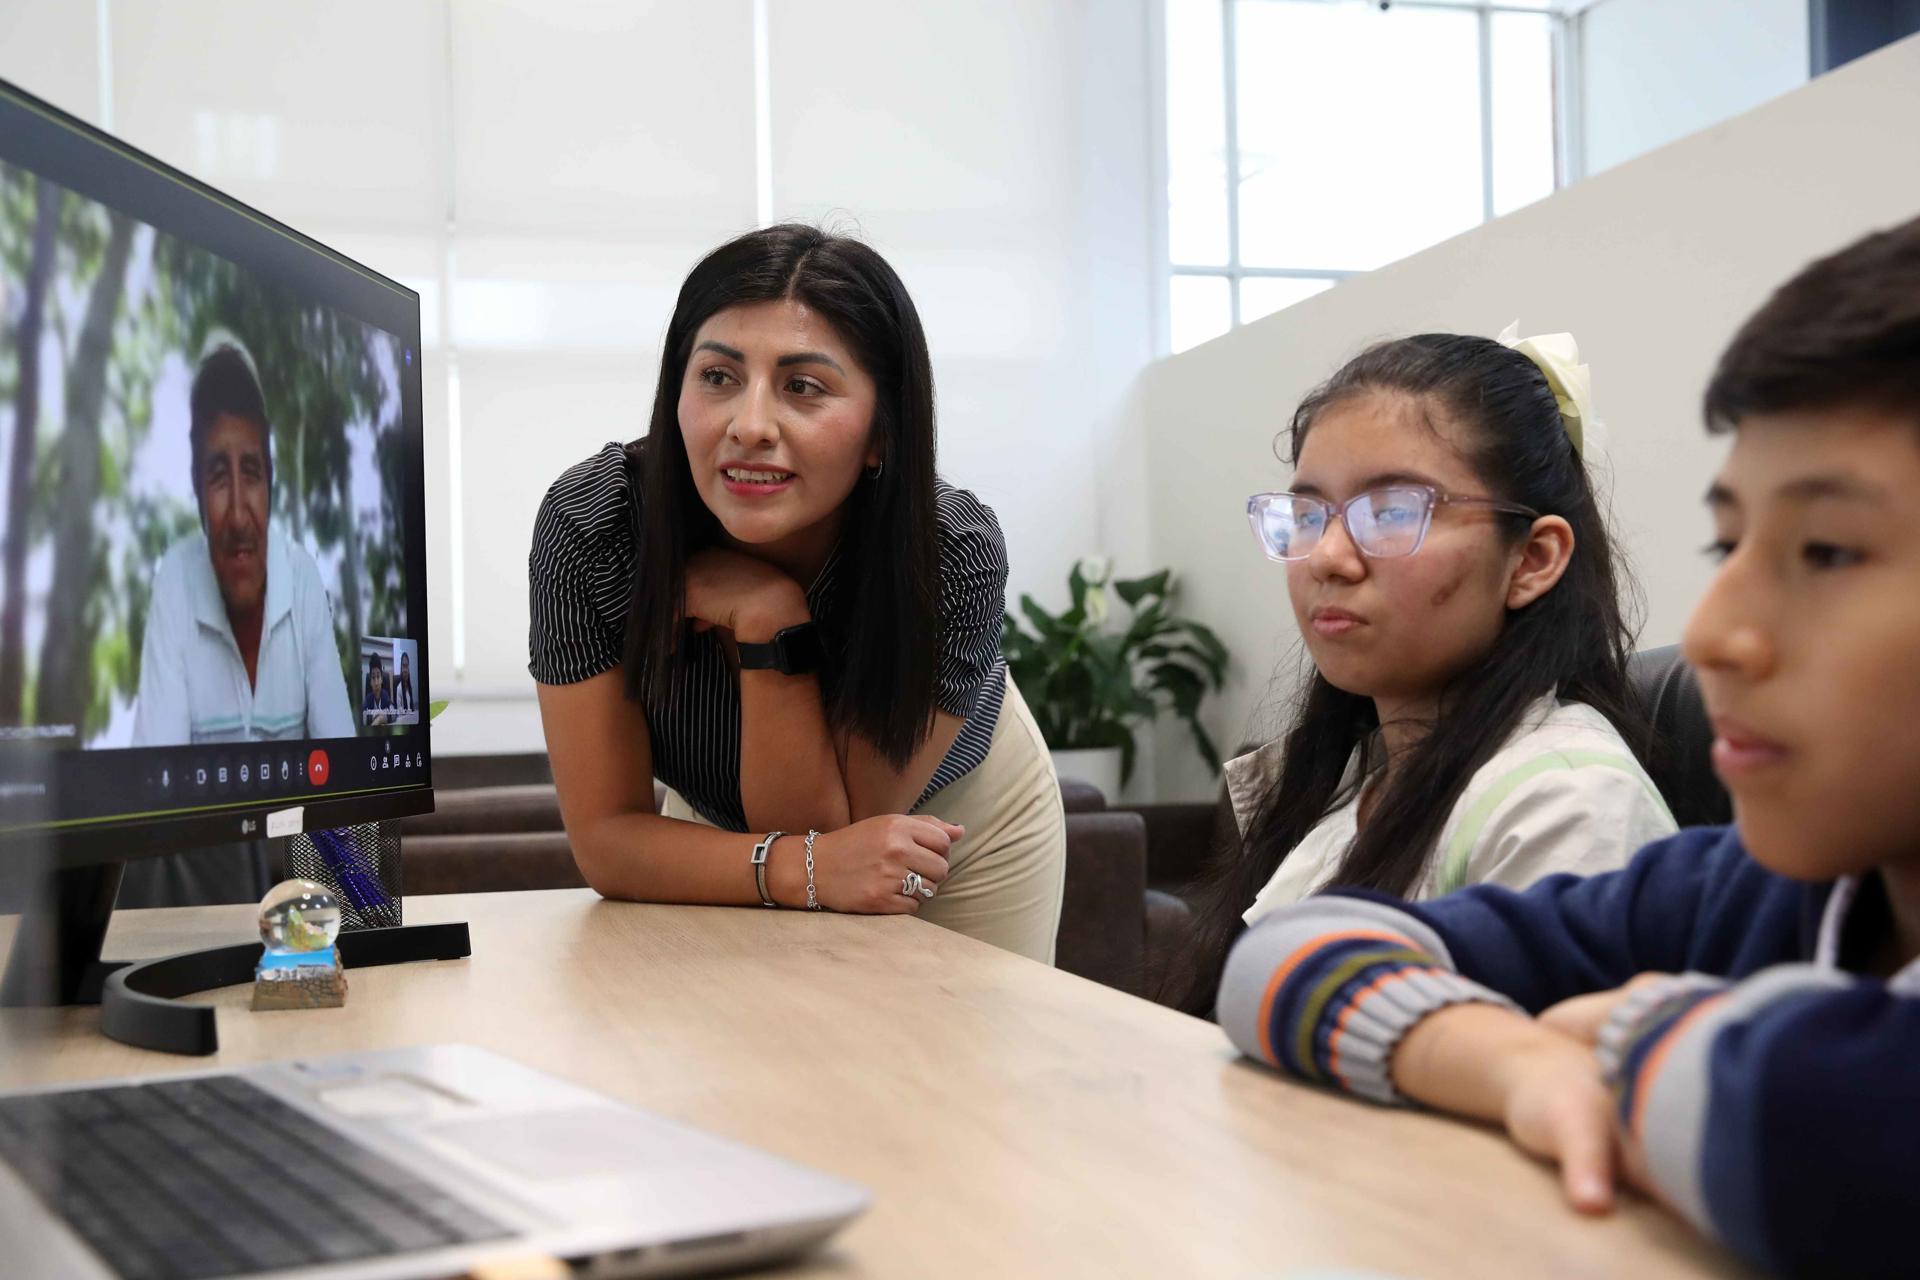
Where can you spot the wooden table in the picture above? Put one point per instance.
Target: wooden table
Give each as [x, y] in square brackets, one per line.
[1012, 1120]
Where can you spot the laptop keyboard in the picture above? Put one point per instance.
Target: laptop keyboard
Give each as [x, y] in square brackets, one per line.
[217, 1177]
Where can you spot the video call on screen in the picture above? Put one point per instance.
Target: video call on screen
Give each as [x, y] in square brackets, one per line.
[204, 487]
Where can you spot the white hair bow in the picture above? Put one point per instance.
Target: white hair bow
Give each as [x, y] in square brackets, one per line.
[1558, 357]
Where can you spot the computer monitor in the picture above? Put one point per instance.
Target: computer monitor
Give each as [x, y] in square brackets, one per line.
[213, 597]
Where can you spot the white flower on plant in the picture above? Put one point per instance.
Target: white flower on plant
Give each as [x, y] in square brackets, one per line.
[1095, 570]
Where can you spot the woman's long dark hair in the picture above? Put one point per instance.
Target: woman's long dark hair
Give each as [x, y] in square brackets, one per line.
[1575, 639]
[881, 678]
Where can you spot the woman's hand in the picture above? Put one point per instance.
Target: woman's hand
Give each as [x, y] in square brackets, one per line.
[741, 594]
[862, 868]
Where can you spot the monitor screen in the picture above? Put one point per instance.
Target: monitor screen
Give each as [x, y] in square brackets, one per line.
[213, 617]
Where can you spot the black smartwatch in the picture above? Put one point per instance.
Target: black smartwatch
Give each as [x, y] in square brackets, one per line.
[793, 651]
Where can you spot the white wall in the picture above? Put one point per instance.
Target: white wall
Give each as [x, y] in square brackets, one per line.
[1656, 70]
[52, 50]
[1651, 266]
[997, 152]
[545, 172]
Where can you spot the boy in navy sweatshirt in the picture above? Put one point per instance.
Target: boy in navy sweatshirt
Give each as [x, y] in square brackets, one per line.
[1732, 1022]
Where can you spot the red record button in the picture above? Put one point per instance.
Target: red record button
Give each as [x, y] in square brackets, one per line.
[317, 768]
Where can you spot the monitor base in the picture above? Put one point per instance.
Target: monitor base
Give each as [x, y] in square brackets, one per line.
[140, 1006]
[56, 945]
[56, 961]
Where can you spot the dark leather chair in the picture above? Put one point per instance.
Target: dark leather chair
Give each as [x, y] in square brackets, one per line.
[488, 840]
[1103, 931]
[1680, 760]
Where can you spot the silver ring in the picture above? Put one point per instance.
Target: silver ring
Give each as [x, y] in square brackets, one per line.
[911, 886]
[926, 891]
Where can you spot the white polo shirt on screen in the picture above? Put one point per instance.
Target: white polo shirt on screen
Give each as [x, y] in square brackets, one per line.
[193, 681]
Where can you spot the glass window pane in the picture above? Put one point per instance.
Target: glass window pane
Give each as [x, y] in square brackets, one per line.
[1359, 131]
[1196, 134]
[1200, 309]
[1264, 295]
[1522, 110]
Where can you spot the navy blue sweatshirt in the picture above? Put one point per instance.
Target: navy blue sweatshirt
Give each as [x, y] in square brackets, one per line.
[1776, 1092]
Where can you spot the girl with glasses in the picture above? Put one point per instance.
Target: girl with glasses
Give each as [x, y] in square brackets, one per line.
[1468, 717]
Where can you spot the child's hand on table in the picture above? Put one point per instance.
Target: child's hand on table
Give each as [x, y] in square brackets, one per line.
[1537, 1077]
[1582, 1016]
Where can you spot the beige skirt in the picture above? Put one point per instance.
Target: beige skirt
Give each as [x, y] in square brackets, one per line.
[1005, 878]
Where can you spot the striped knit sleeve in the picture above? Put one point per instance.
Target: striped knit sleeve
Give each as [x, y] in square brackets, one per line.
[1778, 1114]
[1325, 989]
[580, 571]
[973, 596]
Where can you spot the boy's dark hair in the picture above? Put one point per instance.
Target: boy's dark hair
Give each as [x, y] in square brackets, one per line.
[882, 684]
[224, 384]
[1574, 640]
[1845, 331]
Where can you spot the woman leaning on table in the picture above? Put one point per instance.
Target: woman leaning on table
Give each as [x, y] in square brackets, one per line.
[773, 605]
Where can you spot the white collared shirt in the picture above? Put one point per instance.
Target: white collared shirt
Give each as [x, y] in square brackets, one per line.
[193, 681]
[1563, 793]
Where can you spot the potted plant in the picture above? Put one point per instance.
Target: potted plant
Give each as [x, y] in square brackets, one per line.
[1090, 684]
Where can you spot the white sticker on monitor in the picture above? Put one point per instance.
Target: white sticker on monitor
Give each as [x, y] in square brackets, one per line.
[286, 822]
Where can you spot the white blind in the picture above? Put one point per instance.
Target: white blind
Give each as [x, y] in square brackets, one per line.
[546, 171]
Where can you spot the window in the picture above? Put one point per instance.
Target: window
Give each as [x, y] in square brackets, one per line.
[1309, 140]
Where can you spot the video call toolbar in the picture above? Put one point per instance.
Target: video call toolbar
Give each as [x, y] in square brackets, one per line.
[208, 774]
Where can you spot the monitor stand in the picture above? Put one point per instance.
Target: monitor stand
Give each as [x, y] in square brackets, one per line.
[56, 961]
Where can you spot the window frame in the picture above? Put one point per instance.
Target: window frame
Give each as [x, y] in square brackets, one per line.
[1563, 33]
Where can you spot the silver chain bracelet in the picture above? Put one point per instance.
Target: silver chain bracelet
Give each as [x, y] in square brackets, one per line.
[813, 903]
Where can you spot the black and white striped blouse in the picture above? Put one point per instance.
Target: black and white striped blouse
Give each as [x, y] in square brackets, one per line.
[580, 573]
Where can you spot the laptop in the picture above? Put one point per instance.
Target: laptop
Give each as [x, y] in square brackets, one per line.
[419, 1162]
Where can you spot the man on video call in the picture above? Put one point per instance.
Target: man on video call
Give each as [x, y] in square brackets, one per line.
[239, 644]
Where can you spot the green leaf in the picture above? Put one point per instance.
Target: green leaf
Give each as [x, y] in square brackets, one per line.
[1200, 658]
[1207, 640]
[1089, 685]
[1182, 685]
[1193, 641]
[1045, 625]
[1134, 590]
[1147, 624]
[1209, 755]
[435, 708]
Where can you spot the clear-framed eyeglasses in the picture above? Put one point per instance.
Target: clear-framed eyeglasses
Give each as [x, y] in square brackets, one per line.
[1384, 523]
